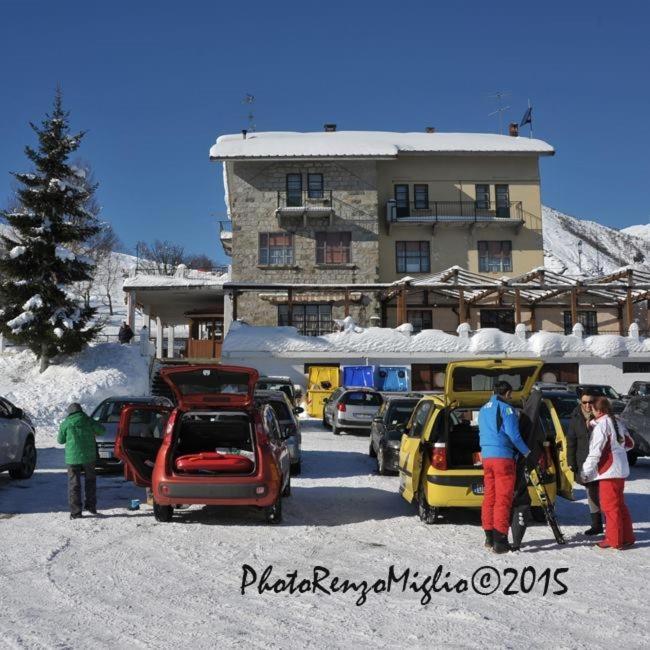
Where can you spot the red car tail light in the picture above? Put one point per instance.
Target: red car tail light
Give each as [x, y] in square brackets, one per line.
[439, 455]
[341, 407]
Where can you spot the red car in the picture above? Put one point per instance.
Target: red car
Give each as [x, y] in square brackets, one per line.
[214, 448]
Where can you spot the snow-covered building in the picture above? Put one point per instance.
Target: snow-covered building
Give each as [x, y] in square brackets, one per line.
[352, 208]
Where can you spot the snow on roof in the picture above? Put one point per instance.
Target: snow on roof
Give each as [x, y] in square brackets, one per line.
[243, 338]
[187, 279]
[368, 144]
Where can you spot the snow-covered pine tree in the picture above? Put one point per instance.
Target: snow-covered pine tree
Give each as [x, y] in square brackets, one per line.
[38, 269]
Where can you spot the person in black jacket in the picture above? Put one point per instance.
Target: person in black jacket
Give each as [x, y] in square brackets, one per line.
[125, 334]
[578, 435]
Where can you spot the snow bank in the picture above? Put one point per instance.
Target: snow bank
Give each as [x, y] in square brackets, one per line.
[279, 340]
[88, 377]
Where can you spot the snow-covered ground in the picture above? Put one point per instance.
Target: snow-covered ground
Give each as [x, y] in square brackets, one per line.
[123, 580]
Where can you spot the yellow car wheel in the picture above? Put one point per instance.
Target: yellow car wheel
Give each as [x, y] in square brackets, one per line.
[427, 513]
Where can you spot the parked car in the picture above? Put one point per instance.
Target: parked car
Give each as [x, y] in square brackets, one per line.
[439, 459]
[636, 416]
[217, 448]
[552, 385]
[617, 401]
[17, 441]
[386, 431]
[108, 413]
[291, 390]
[639, 389]
[287, 418]
[351, 409]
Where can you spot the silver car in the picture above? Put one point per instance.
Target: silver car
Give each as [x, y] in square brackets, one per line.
[289, 425]
[17, 444]
[351, 409]
[108, 414]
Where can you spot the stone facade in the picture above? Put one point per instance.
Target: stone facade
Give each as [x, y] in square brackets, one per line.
[253, 189]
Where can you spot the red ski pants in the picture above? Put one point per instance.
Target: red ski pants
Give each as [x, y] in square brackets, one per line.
[499, 480]
[618, 524]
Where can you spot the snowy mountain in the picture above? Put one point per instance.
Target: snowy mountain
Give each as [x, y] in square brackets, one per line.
[604, 249]
[642, 231]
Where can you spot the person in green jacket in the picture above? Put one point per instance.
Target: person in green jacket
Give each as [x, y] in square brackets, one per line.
[77, 432]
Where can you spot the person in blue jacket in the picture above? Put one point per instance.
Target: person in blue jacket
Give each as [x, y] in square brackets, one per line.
[501, 442]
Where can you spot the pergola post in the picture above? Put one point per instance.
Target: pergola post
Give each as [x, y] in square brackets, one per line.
[234, 305]
[619, 315]
[404, 315]
[289, 306]
[517, 307]
[159, 338]
[629, 307]
[462, 316]
[130, 308]
[574, 306]
[533, 319]
[346, 303]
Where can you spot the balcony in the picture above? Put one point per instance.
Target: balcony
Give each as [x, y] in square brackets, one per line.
[305, 204]
[459, 213]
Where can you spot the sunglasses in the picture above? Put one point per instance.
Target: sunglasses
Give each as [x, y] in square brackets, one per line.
[587, 402]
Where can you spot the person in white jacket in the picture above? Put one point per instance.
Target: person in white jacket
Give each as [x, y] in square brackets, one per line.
[607, 463]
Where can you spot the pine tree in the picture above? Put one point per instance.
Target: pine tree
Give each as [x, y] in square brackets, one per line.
[38, 268]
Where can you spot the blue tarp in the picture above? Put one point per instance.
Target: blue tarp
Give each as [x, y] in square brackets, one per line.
[357, 376]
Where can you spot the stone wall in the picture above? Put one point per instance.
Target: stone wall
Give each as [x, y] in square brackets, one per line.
[253, 194]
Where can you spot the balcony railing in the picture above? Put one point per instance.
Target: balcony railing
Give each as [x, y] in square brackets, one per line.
[305, 200]
[453, 211]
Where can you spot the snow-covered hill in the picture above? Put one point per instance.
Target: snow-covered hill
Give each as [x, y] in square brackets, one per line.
[604, 249]
[641, 230]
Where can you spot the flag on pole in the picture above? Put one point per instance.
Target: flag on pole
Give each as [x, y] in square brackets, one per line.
[528, 117]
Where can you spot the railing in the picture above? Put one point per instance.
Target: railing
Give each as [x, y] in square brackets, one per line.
[306, 199]
[450, 211]
[178, 271]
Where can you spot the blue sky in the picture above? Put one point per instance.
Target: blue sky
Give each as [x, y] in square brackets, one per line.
[154, 83]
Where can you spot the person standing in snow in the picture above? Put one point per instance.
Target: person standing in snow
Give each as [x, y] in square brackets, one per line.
[607, 463]
[125, 334]
[578, 435]
[501, 442]
[77, 432]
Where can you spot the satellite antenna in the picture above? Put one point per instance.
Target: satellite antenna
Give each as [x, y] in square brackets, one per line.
[499, 95]
[250, 100]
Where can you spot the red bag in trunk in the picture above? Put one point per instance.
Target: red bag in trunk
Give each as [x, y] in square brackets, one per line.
[212, 461]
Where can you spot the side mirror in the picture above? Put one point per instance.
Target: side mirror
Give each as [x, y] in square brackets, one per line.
[298, 410]
[17, 413]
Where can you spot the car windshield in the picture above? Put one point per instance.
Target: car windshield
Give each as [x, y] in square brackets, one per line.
[471, 379]
[363, 398]
[400, 413]
[109, 411]
[565, 405]
[606, 391]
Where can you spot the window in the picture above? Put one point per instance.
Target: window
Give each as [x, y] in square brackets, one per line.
[412, 256]
[294, 190]
[275, 249]
[333, 247]
[501, 319]
[502, 196]
[420, 417]
[553, 372]
[636, 366]
[421, 319]
[588, 320]
[402, 200]
[426, 376]
[315, 186]
[495, 256]
[311, 320]
[482, 197]
[421, 197]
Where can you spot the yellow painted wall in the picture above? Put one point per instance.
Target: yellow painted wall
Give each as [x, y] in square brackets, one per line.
[453, 178]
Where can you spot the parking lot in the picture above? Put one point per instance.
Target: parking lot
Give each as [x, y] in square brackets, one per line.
[122, 579]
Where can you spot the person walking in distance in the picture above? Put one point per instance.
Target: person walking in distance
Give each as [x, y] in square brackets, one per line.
[125, 334]
[501, 442]
[607, 463]
[77, 432]
[578, 435]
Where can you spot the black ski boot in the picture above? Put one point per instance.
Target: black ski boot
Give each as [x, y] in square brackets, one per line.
[596, 524]
[518, 525]
[501, 544]
[489, 539]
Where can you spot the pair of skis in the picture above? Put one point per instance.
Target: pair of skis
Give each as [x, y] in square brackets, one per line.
[547, 506]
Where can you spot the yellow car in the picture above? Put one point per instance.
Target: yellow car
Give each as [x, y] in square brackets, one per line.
[439, 459]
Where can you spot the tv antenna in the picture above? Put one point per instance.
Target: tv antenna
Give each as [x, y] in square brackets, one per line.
[499, 96]
[250, 100]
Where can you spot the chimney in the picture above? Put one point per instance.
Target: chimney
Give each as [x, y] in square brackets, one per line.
[243, 133]
[514, 129]
[329, 128]
[430, 129]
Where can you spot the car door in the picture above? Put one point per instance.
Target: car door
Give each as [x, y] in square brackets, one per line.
[276, 441]
[139, 437]
[555, 433]
[410, 453]
[12, 433]
[377, 428]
